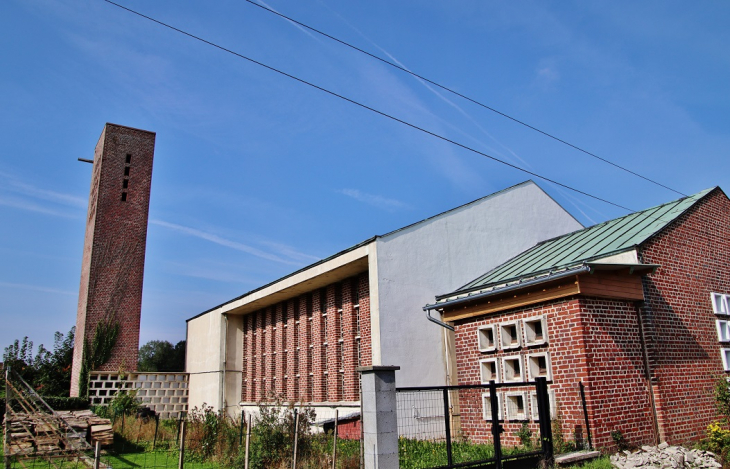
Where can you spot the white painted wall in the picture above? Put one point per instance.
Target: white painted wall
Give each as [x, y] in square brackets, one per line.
[204, 359]
[442, 254]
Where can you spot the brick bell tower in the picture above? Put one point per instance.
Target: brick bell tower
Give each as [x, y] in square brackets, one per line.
[112, 268]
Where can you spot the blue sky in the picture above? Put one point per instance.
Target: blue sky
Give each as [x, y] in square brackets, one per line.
[257, 175]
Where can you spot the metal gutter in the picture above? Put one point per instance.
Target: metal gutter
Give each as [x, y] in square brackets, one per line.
[580, 270]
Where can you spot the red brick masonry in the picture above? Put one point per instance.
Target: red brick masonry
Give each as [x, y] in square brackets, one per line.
[112, 268]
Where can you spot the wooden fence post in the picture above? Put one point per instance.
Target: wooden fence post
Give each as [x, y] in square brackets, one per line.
[334, 443]
[181, 461]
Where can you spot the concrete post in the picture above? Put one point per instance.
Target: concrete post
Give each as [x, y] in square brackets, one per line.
[379, 417]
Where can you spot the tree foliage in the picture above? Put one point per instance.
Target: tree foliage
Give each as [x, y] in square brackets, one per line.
[49, 372]
[161, 356]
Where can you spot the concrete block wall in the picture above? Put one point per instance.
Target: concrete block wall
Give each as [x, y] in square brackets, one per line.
[165, 393]
[114, 244]
[306, 349]
[684, 348]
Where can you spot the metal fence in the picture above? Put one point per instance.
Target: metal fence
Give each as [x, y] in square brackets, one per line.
[487, 425]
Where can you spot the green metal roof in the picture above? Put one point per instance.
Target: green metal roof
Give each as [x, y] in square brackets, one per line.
[595, 242]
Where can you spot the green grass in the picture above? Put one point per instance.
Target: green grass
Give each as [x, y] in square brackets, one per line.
[415, 454]
[600, 463]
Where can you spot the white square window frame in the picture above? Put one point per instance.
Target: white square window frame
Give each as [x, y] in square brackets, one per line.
[518, 358]
[725, 354]
[526, 327]
[487, 407]
[498, 372]
[517, 416]
[518, 330]
[530, 375]
[720, 303]
[723, 330]
[496, 338]
[533, 405]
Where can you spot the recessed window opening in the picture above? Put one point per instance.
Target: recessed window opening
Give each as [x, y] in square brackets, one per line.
[512, 368]
[539, 366]
[510, 336]
[720, 303]
[487, 406]
[128, 159]
[723, 330]
[486, 338]
[535, 331]
[126, 170]
[124, 196]
[516, 406]
[489, 370]
[533, 405]
[125, 184]
[725, 358]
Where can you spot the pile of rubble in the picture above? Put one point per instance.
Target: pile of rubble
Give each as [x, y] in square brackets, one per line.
[665, 457]
[44, 433]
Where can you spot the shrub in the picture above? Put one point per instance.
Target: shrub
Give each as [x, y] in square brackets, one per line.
[125, 403]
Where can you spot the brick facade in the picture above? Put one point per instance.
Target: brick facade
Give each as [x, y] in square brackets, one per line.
[114, 244]
[648, 366]
[305, 349]
[684, 352]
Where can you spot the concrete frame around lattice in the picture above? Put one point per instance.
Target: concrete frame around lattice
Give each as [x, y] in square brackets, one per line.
[165, 393]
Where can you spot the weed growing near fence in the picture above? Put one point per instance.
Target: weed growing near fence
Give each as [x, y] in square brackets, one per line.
[422, 453]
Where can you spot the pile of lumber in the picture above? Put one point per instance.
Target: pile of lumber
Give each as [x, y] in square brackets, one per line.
[94, 428]
[45, 433]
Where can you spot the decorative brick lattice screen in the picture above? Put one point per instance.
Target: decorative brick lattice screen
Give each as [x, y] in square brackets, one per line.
[165, 393]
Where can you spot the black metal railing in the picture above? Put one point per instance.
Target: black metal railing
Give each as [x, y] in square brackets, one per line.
[449, 427]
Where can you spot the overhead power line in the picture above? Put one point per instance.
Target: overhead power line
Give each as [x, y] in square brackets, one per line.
[364, 106]
[463, 96]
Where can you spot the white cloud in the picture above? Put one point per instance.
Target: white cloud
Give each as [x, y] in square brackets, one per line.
[39, 288]
[214, 238]
[375, 200]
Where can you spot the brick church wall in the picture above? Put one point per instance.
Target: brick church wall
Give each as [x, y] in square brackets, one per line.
[684, 350]
[114, 244]
[590, 340]
[306, 349]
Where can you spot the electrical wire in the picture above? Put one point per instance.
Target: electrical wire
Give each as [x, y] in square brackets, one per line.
[364, 106]
[474, 101]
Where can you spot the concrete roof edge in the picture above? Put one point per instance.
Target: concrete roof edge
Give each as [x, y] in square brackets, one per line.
[303, 269]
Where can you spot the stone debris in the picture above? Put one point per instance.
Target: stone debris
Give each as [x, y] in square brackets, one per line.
[665, 457]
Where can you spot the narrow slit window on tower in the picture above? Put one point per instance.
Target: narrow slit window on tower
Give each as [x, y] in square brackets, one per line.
[129, 159]
[125, 184]
[124, 196]
[126, 170]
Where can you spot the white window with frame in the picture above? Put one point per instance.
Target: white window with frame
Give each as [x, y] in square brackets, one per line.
[720, 303]
[489, 370]
[725, 358]
[516, 403]
[487, 338]
[723, 330]
[513, 370]
[535, 331]
[538, 366]
[533, 405]
[510, 335]
[487, 406]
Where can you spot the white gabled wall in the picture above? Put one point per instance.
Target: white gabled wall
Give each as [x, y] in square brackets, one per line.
[441, 254]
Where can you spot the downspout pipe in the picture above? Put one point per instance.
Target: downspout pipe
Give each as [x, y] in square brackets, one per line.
[440, 323]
